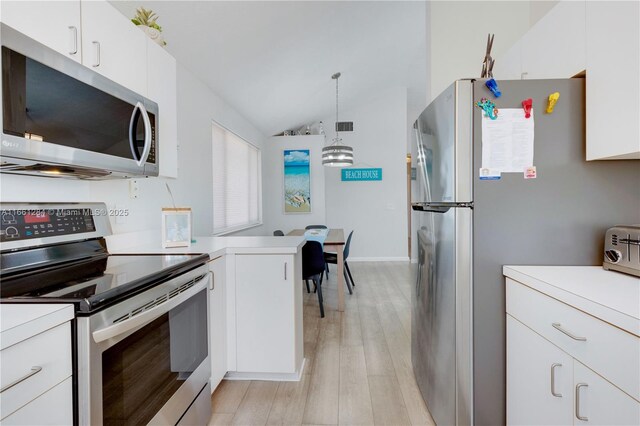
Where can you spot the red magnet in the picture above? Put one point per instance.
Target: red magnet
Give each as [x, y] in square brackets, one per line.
[527, 104]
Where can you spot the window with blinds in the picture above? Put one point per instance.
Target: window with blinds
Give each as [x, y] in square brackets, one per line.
[236, 182]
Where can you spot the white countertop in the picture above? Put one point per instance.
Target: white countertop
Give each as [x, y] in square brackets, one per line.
[20, 321]
[611, 296]
[216, 246]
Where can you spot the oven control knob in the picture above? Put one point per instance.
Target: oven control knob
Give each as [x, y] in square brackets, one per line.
[613, 256]
[11, 232]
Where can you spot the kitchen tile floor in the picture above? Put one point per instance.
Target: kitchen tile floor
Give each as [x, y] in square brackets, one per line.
[358, 369]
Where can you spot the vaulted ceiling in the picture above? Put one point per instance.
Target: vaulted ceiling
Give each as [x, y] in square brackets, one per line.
[272, 61]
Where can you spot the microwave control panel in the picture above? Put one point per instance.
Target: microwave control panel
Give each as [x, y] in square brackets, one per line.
[16, 225]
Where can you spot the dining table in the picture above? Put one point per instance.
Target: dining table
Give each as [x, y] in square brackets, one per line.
[334, 242]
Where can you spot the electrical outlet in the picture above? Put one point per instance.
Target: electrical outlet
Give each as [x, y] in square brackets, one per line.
[134, 189]
[120, 217]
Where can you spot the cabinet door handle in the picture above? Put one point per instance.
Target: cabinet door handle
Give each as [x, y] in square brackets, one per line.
[74, 40]
[558, 327]
[285, 271]
[97, 62]
[553, 380]
[212, 284]
[578, 416]
[34, 370]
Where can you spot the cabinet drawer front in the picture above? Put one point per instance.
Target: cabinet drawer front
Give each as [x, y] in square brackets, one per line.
[50, 351]
[608, 350]
[55, 407]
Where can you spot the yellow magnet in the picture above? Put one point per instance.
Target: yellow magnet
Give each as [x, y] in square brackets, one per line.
[553, 98]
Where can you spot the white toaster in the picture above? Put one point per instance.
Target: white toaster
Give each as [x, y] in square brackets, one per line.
[622, 249]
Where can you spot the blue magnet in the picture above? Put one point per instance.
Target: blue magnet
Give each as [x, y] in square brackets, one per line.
[493, 86]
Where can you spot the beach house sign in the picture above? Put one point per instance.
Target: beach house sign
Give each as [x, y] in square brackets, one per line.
[351, 174]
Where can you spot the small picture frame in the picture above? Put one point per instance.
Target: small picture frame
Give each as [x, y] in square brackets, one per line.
[176, 227]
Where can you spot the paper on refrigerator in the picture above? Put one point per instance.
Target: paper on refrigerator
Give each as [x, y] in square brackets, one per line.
[507, 142]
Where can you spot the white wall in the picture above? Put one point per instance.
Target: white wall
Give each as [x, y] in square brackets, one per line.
[197, 107]
[377, 210]
[273, 175]
[38, 189]
[459, 36]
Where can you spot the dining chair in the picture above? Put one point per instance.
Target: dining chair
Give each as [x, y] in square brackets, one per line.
[315, 227]
[313, 267]
[278, 233]
[326, 270]
[333, 258]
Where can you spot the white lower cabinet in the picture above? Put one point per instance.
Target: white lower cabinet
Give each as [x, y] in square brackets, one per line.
[268, 312]
[565, 366]
[598, 402]
[217, 321]
[539, 375]
[36, 371]
[54, 407]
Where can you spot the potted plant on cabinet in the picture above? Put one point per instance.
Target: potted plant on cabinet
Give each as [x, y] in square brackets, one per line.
[146, 19]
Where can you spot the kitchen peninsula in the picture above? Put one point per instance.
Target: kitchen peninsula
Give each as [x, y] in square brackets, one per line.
[255, 321]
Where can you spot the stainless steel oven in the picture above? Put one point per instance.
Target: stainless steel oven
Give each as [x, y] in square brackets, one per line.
[140, 346]
[144, 360]
[62, 119]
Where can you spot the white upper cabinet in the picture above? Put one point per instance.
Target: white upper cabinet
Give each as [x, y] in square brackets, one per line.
[613, 82]
[161, 76]
[55, 24]
[113, 46]
[554, 47]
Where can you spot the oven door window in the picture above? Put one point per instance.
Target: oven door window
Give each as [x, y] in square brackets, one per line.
[143, 371]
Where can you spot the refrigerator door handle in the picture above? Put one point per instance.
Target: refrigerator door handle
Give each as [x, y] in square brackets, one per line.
[436, 207]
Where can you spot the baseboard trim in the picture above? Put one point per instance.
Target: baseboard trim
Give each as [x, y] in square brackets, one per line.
[378, 259]
[270, 377]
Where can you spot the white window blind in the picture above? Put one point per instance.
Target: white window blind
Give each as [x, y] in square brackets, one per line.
[236, 182]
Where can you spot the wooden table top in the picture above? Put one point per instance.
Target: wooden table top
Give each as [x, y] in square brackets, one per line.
[334, 238]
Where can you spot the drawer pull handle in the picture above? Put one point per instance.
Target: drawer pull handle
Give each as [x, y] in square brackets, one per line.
[578, 416]
[97, 53]
[558, 327]
[553, 380]
[74, 40]
[34, 370]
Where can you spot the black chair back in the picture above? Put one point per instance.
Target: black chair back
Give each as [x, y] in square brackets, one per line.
[312, 259]
[315, 227]
[346, 246]
[278, 233]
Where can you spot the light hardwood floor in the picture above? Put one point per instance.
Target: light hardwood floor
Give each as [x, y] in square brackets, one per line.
[358, 369]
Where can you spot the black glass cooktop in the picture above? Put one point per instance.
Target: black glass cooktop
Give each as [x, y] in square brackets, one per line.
[95, 282]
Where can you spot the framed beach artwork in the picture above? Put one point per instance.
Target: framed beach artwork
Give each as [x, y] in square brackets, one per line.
[297, 181]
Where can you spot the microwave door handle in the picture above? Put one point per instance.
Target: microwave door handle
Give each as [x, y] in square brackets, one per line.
[147, 135]
[140, 160]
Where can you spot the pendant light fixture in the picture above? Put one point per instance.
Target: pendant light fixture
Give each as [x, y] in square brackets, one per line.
[336, 154]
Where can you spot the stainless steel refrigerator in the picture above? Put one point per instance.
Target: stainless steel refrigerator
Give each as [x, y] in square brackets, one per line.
[468, 228]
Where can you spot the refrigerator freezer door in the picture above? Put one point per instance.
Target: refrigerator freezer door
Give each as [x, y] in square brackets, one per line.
[443, 137]
[433, 327]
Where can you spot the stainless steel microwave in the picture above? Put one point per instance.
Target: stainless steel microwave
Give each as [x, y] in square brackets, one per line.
[62, 119]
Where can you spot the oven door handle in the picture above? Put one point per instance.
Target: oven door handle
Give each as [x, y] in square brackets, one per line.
[149, 315]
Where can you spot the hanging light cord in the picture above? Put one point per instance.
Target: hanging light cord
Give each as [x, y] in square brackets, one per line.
[336, 76]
